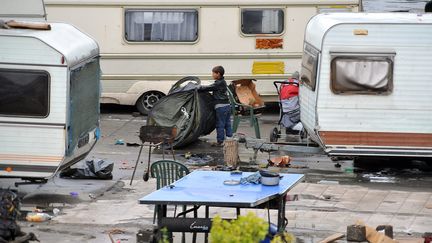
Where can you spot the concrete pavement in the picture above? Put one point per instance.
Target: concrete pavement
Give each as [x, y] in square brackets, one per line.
[321, 209]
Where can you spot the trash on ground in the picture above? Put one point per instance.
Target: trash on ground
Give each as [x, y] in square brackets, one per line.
[132, 144]
[199, 160]
[333, 238]
[9, 212]
[74, 194]
[93, 169]
[282, 161]
[373, 236]
[327, 182]
[119, 142]
[38, 217]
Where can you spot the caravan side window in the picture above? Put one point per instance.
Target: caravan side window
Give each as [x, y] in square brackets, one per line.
[161, 25]
[262, 21]
[309, 66]
[24, 93]
[362, 74]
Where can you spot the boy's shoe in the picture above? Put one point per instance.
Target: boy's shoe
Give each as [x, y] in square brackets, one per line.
[217, 144]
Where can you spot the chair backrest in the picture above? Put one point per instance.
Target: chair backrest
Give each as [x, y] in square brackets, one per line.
[167, 172]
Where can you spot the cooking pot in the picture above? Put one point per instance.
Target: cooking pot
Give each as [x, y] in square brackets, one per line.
[269, 178]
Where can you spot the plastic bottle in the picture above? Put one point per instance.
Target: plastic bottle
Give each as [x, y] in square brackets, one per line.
[38, 217]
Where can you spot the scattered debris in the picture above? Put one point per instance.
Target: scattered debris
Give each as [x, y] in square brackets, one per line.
[132, 144]
[38, 217]
[9, 212]
[119, 142]
[356, 233]
[332, 238]
[282, 161]
[94, 169]
[74, 194]
[199, 160]
[327, 182]
[115, 232]
[388, 230]
[373, 236]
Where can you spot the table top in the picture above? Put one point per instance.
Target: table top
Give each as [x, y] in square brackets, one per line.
[207, 188]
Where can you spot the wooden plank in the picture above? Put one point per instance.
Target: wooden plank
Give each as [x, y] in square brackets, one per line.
[333, 237]
[28, 25]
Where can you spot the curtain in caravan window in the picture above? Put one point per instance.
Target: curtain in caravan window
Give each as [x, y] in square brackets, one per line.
[262, 21]
[361, 74]
[152, 25]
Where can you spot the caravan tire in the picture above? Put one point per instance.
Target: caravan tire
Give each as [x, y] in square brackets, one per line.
[146, 102]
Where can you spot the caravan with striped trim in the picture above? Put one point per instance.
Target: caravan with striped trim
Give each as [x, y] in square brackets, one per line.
[49, 94]
[366, 84]
[147, 45]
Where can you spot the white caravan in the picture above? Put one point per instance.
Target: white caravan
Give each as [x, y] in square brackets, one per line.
[49, 95]
[147, 45]
[367, 84]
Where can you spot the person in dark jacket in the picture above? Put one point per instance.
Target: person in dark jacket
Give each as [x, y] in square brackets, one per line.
[221, 105]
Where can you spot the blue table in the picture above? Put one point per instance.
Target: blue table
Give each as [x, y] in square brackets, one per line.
[206, 188]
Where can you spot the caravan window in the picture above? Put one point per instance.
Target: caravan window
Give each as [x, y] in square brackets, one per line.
[309, 66]
[361, 74]
[24, 93]
[262, 21]
[161, 25]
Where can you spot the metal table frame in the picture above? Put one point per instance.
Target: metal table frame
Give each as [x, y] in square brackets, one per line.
[179, 223]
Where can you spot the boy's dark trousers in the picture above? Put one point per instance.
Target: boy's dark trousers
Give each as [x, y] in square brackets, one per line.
[223, 123]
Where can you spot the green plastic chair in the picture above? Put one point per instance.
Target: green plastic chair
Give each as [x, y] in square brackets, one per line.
[167, 172]
[250, 114]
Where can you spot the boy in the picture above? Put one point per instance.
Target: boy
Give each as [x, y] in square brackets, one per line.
[222, 104]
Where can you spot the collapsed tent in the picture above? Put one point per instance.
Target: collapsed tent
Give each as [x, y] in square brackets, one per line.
[190, 111]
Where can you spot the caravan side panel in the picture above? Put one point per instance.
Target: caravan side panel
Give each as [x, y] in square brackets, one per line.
[399, 120]
[34, 146]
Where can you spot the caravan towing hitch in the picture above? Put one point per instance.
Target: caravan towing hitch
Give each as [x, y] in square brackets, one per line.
[30, 181]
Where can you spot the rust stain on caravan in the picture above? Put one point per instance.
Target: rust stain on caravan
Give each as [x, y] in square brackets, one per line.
[269, 43]
[377, 139]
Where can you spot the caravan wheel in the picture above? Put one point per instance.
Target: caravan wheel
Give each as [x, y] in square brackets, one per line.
[146, 102]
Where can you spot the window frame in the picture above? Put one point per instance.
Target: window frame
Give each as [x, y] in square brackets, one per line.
[312, 51]
[262, 34]
[48, 110]
[195, 10]
[364, 56]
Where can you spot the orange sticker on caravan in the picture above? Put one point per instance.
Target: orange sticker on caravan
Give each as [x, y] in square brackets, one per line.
[268, 43]
[268, 68]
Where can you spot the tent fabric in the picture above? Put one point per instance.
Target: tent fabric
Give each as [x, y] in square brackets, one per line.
[192, 112]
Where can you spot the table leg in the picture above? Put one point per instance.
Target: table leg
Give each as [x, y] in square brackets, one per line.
[194, 236]
[281, 213]
[238, 212]
[183, 233]
[206, 216]
[162, 213]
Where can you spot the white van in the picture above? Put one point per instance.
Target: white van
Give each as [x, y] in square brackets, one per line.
[147, 45]
[49, 94]
[367, 84]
